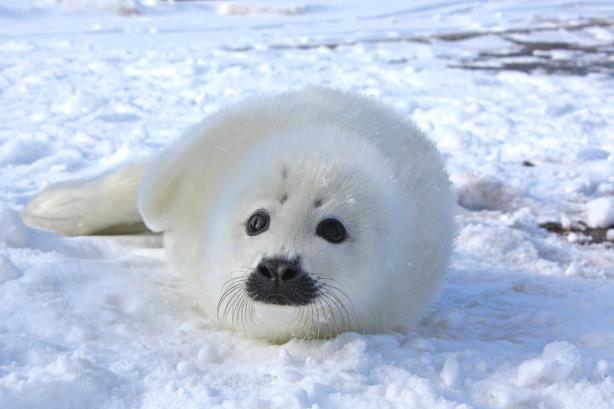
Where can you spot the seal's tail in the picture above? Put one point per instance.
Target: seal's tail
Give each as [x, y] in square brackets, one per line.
[104, 204]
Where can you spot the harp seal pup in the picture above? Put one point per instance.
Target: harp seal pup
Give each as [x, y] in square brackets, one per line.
[303, 214]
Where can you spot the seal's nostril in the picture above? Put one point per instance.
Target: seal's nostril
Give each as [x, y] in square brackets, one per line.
[287, 272]
[281, 281]
[264, 271]
[278, 270]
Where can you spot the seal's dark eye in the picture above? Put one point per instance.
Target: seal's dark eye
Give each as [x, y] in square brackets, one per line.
[257, 223]
[331, 230]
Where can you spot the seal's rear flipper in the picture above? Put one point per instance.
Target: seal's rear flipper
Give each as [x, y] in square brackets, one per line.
[104, 204]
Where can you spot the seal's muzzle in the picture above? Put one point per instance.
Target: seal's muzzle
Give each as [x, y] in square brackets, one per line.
[282, 282]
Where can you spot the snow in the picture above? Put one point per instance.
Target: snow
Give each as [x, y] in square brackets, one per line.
[557, 362]
[600, 212]
[524, 318]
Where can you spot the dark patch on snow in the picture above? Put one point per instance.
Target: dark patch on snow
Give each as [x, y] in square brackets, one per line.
[522, 55]
[586, 235]
[551, 57]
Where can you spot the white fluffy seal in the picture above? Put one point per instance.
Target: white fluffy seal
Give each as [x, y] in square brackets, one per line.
[303, 214]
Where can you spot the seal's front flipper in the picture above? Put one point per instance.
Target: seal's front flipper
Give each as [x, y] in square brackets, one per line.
[105, 204]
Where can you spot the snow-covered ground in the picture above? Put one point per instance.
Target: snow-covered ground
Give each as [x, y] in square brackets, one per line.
[518, 95]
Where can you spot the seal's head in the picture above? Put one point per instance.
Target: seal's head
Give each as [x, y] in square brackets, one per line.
[308, 239]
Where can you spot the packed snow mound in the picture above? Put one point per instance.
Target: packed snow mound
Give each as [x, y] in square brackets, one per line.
[8, 270]
[24, 150]
[600, 212]
[13, 232]
[556, 364]
[476, 192]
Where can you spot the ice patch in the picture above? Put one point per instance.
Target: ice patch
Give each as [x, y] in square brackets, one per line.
[124, 7]
[592, 153]
[8, 270]
[254, 9]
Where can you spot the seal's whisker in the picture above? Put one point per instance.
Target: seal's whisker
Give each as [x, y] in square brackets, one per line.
[252, 313]
[240, 308]
[318, 303]
[325, 289]
[334, 292]
[297, 318]
[235, 308]
[334, 287]
[304, 314]
[331, 301]
[236, 314]
[232, 303]
[234, 281]
[242, 311]
[328, 301]
[325, 315]
[313, 322]
[228, 293]
[229, 289]
[228, 306]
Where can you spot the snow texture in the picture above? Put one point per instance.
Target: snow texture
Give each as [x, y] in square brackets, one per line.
[600, 212]
[516, 94]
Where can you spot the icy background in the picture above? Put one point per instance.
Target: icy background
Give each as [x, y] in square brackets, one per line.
[518, 95]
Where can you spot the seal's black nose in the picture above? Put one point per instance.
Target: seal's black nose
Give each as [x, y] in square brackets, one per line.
[278, 269]
[281, 281]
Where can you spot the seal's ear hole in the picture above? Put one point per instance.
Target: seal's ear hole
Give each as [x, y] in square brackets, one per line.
[331, 230]
[257, 223]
